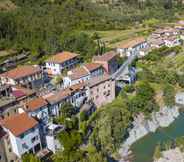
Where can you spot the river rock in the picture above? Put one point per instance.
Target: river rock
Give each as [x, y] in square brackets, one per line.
[142, 127]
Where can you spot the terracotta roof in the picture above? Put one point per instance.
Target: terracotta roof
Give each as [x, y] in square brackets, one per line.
[105, 57]
[63, 94]
[19, 123]
[21, 71]
[36, 104]
[76, 87]
[92, 66]
[59, 96]
[131, 43]
[62, 57]
[77, 73]
[97, 80]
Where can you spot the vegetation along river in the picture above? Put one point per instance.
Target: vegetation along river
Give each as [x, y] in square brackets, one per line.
[143, 149]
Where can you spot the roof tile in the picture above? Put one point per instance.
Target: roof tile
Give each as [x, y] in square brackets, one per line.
[19, 123]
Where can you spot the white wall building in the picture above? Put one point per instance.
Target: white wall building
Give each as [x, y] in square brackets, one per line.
[23, 133]
[132, 47]
[82, 74]
[60, 62]
[38, 108]
[27, 75]
[74, 95]
[52, 142]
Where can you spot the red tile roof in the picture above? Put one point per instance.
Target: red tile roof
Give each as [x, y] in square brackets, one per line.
[36, 104]
[59, 96]
[21, 71]
[62, 57]
[92, 66]
[105, 57]
[63, 94]
[19, 123]
[131, 43]
[78, 72]
[76, 87]
[98, 80]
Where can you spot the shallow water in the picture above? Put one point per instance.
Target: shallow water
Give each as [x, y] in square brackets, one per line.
[144, 148]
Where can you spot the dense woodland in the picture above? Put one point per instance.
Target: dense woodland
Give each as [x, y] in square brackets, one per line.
[47, 26]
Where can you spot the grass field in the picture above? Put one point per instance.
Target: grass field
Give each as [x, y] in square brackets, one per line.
[113, 37]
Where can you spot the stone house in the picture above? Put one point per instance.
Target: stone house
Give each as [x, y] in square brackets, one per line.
[100, 90]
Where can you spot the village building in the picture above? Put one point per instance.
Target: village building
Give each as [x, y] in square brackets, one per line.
[23, 134]
[172, 41]
[27, 75]
[22, 94]
[167, 36]
[8, 106]
[37, 108]
[132, 47]
[156, 43]
[52, 142]
[76, 76]
[101, 90]
[75, 95]
[108, 60]
[5, 90]
[83, 73]
[6, 153]
[3, 156]
[61, 62]
[56, 100]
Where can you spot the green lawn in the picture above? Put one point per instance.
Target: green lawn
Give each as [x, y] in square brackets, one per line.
[113, 37]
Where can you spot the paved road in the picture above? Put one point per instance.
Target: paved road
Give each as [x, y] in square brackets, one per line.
[123, 67]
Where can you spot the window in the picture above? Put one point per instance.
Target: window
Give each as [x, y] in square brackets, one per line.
[34, 139]
[33, 129]
[10, 150]
[22, 135]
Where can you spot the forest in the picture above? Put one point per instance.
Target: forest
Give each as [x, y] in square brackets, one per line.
[47, 26]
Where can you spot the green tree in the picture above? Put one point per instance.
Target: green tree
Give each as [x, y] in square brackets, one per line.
[67, 110]
[169, 95]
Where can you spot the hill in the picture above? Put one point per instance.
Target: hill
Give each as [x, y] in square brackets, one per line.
[47, 26]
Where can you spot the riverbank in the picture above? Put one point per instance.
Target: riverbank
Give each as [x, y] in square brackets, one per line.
[142, 127]
[172, 155]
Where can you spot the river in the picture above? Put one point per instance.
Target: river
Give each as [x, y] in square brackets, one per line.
[144, 148]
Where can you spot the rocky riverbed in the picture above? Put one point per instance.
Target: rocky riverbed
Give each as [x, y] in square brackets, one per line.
[172, 155]
[142, 127]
